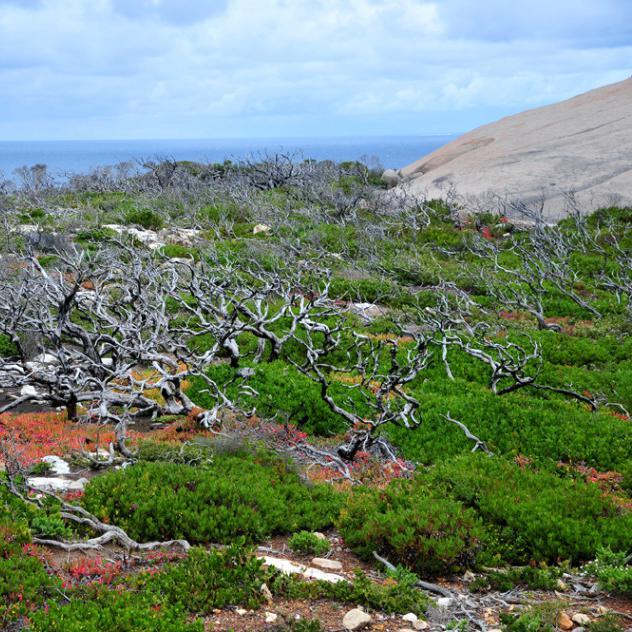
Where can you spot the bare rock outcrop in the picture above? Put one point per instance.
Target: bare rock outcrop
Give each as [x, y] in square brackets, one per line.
[579, 149]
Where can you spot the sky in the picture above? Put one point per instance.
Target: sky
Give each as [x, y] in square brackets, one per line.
[127, 69]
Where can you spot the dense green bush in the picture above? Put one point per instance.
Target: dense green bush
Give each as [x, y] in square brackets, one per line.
[411, 526]
[399, 594]
[308, 543]
[533, 424]
[7, 348]
[533, 514]
[24, 582]
[111, 610]
[95, 235]
[148, 219]
[282, 392]
[177, 251]
[612, 570]
[206, 580]
[234, 496]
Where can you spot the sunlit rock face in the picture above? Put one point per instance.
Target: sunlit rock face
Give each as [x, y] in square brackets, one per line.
[577, 151]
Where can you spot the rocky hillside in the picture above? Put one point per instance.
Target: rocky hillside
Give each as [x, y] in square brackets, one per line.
[582, 146]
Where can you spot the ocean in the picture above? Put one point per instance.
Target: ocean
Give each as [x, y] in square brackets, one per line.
[65, 157]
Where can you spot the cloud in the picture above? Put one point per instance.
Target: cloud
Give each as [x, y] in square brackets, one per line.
[179, 12]
[205, 68]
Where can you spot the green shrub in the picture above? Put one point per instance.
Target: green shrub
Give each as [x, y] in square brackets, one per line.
[95, 235]
[282, 391]
[547, 519]
[533, 578]
[24, 582]
[148, 219]
[177, 251]
[47, 261]
[308, 543]
[525, 422]
[399, 594]
[111, 610]
[612, 570]
[234, 496]
[206, 580]
[409, 525]
[7, 348]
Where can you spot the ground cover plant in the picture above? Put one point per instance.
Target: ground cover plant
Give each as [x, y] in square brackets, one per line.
[276, 347]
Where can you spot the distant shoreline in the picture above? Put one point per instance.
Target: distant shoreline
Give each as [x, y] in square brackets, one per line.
[80, 156]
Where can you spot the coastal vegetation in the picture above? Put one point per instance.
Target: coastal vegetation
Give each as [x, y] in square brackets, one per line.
[212, 370]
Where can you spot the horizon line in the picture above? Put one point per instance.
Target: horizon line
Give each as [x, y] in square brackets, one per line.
[228, 138]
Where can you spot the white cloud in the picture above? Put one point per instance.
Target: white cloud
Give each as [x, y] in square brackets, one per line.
[204, 68]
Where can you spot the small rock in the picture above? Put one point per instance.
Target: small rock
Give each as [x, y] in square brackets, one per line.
[61, 485]
[391, 178]
[444, 602]
[561, 585]
[261, 228]
[327, 565]
[581, 619]
[290, 568]
[601, 610]
[57, 465]
[241, 612]
[355, 619]
[490, 617]
[319, 535]
[271, 617]
[411, 617]
[406, 630]
[468, 576]
[265, 591]
[421, 625]
[564, 622]
[28, 391]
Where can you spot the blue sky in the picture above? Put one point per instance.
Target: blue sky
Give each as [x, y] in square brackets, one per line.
[93, 69]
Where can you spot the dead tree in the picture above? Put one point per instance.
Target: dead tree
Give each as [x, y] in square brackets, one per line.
[368, 391]
[94, 333]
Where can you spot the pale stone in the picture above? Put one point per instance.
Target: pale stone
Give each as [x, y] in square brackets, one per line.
[291, 568]
[411, 617]
[355, 619]
[367, 311]
[564, 622]
[265, 591]
[444, 602]
[58, 485]
[391, 178]
[581, 619]
[57, 465]
[241, 612]
[421, 625]
[271, 617]
[261, 228]
[28, 391]
[326, 564]
[319, 535]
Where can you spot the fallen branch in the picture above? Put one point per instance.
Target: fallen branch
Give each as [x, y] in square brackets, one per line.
[79, 515]
[478, 443]
[429, 586]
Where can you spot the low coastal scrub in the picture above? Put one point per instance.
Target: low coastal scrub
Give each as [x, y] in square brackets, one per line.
[233, 496]
[340, 331]
[457, 514]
